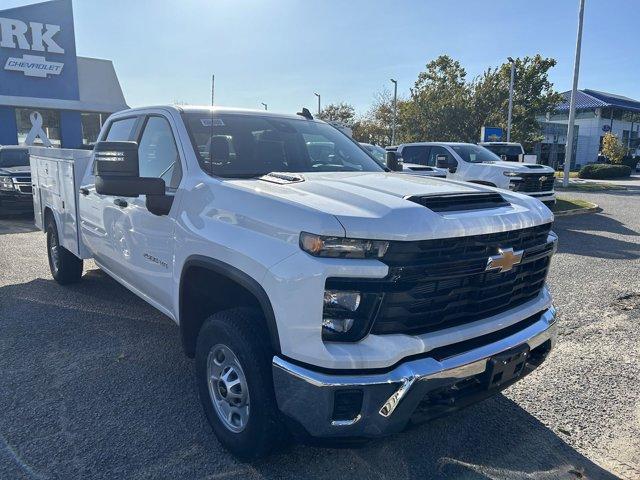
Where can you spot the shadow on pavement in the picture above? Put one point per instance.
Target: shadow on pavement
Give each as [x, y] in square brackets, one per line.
[95, 384]
[16, 224]
[579, 235]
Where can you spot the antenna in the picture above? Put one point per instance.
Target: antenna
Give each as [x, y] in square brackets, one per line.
[213, 83]
[305, 113]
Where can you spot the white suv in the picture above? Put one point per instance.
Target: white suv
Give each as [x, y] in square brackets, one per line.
[476, 164]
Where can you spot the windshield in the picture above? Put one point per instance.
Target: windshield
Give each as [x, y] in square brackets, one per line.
[14, 158]
[511, 152]
[241, 145]
[475, 153]
[379, 154]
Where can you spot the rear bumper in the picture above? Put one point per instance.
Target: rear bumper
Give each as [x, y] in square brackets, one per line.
[417, 389]
[15, 203]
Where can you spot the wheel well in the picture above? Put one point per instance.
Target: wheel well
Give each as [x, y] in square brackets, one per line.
[482, 182]
[48, 213]
[207, 287]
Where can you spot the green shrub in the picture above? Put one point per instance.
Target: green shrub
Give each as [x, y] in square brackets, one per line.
[604, 171]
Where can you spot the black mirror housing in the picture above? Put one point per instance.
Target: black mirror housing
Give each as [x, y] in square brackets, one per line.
[393, 163]
[116, 159]
[119, 186]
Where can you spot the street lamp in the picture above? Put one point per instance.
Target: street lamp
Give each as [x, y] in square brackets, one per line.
[318, 95]
[513, 74]
[264, 105]
[395, 106]
[572, 104]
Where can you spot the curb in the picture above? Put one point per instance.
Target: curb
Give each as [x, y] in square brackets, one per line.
[577, 211]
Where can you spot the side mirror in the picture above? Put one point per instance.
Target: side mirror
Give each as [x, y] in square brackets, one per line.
[118, 174]
[393, 163]
[444, 161]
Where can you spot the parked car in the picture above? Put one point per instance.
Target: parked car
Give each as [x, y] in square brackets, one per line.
[324, 296]
[15, 181]
[476, 164]
[379, 155]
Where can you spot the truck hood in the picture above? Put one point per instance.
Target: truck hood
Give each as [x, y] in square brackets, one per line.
[520, 167]
[374, 205]
[14, 170]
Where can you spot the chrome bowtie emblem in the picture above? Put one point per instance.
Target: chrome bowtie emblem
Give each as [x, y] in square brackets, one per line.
[505, 260]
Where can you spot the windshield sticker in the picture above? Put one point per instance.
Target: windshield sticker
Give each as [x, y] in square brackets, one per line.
[217, 122]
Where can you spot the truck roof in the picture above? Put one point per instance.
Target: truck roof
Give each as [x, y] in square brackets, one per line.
[515, 144]
[433, 143]
[208, 110]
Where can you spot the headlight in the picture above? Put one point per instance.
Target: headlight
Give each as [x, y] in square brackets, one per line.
[510, 174]
[347, 314]
[6, 183]
[339, 247]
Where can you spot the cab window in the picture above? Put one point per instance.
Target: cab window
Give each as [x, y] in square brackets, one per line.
[435, 151]
[121, 130]
[415, 154]
[158, 154]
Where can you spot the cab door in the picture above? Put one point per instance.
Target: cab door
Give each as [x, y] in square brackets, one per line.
[144, 241]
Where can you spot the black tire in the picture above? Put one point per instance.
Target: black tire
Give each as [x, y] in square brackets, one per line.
[240, 330]
[65, 267]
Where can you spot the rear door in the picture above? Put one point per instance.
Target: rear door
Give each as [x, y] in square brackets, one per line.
[98, 214]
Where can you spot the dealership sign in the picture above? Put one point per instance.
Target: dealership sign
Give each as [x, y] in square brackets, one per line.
[37, 51]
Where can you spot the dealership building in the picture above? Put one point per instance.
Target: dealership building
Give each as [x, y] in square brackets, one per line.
[596, 114]
[48, 95]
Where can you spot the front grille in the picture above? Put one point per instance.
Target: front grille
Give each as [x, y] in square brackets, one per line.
[24, 188]
[437, 284]
[460, 201]
[534, 183]
[22, 179]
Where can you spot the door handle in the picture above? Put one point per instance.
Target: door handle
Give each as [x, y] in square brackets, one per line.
[121, 203]
[84, 191]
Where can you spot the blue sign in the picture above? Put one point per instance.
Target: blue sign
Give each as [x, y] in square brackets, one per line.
[38, 51]
[491, 134]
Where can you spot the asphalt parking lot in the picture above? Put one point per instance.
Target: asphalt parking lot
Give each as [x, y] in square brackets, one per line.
[94, 384]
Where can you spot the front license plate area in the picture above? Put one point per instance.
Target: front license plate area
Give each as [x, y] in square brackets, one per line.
[506, 366]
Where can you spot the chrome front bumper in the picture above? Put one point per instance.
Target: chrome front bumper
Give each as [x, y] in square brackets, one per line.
[391, 398]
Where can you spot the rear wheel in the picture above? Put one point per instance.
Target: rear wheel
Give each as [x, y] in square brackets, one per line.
[65, 266]
[235, 385]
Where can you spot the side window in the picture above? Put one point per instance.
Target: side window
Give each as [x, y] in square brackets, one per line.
[120, 130]
[415, 154]
[435, 151]
[157, 152]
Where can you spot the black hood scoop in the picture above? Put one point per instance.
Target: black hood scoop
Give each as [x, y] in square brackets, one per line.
[456, 202]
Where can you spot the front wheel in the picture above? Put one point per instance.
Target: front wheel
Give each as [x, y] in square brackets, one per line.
[235, 385]
[65, 266]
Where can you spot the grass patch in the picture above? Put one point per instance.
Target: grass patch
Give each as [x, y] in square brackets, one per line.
[590, 187]
[564, 204]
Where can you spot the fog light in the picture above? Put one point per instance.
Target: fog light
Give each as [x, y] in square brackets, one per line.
[347, 300]
[338, 325]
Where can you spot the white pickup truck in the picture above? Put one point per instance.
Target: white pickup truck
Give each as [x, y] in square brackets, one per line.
[477, 164]
[319, 296]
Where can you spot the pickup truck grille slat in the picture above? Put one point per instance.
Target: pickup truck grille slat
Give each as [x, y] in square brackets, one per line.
[533, 183]
[437, 284]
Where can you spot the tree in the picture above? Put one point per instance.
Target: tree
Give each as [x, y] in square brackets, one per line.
[376, 125]
[440, 104]
[612, 148]
[533, 95]
[339, 112]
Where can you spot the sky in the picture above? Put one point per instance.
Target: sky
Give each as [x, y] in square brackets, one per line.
[282, 51]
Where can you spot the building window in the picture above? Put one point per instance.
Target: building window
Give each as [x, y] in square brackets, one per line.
[28, 121]
[91, 125]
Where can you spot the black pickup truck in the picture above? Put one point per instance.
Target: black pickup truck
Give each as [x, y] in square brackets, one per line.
[15, 181]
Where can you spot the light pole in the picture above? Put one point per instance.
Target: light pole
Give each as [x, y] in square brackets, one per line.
[572, 104]
[513, 75]
[395, 107]
[213, 83]
[264, 105]
[318, 95]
